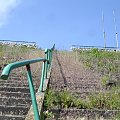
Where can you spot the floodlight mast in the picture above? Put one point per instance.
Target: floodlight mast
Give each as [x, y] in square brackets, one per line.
[104, 34]
[115, 28]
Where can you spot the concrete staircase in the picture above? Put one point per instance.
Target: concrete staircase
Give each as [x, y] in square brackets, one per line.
[15, 99]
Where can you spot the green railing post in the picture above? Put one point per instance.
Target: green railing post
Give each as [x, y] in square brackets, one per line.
[51, 54]
[34, 103]
[43, 76]
[46, 64]
[48, 58]
[46, 70]
[53, 47]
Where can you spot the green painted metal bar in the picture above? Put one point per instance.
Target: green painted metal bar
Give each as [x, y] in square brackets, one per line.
[42, 77]
[51, 55]
[46, 64]
[8, 68]
[34, 103]
[47, 55]
[45, 72]
[48, 59]
[53, 48]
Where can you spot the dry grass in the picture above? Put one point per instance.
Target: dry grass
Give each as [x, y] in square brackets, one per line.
[13, 54]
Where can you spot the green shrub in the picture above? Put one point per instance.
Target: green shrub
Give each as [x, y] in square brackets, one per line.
[67, 99]
[110, 100]
[63, 99]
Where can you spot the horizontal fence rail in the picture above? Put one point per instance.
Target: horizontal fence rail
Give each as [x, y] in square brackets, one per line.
[74, 47]
[45, 69]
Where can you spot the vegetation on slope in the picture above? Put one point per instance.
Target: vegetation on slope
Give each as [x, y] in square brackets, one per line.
[9, 54]
[103, 62]
[107, 63]
[63, 99]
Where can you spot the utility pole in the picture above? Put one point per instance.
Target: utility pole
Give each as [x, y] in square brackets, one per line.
[104, 34]
[115, 27]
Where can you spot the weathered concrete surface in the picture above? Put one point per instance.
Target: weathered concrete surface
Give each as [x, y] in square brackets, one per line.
[39, 98]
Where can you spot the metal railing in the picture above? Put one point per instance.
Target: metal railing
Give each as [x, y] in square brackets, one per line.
[45, 69]
[74, 47]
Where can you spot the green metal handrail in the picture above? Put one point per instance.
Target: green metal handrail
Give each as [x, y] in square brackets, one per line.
[9, 67]
[45, 69]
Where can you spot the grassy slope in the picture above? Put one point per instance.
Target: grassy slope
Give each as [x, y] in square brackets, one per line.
[10, 54]
[89, 67]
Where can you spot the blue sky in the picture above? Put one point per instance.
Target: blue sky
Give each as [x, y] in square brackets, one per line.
[63, 22]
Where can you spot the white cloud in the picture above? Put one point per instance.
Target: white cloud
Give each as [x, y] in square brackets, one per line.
[6, 7]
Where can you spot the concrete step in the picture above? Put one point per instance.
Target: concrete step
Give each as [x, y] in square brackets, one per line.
[13, 81]
[14, 85]
[76, 89]
[83, 114]
[15, 89]
[15, 94]
[75, 86]
[13, 110]
[18, 81]
[12, 117]
[15, 101]
[69, 83]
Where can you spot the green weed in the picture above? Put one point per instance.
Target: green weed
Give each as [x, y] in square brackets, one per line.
[108, 100]
[105, 80]
[63, 99]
